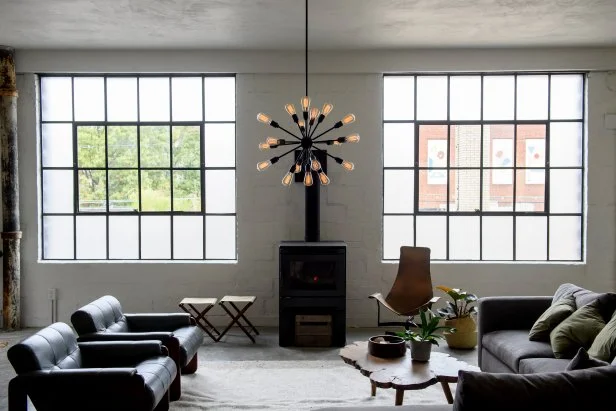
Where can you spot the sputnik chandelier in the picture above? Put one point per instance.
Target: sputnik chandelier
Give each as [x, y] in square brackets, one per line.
[312, 117]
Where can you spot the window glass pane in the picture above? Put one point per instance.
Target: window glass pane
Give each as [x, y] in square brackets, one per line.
[220, 191]
[565, 238]
[530, 190]
[399, 188]
[58, 241]
[498, 97]
[465, 100]
[463, 238]
[123, 190]
[397, 231]
[91, 146]
[566, 144]
[498, 190]
[465, 146]
[565, 191]
[532, 98]
[566, 96]
[433, 190]
[57, 141]
[531, 238]
[464, 195]
[92, 238]
[122, 146]
[155, 237]
[433, 146]
[186, 146]
[92, 191]
[123, 237]
[497, 238]
[432, 98]
[58, 191]
[498, 145]
[399, 97]
[154, 99]
[398, 144]
[89, 99]
[219, 98]
[188, 237]
[187, 190]
[56, 99]
[155, 146]
[432, 233]
[155, 190]
[219, 145]
[121, 99]
[531, 145]
[187, 99]
[220, 237]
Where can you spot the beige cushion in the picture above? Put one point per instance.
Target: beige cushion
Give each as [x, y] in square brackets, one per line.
[553, 316]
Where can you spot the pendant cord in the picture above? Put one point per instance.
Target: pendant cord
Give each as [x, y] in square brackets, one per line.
[306, 48]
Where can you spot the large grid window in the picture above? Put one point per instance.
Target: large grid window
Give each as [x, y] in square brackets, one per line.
[485, 166]
[137, 167]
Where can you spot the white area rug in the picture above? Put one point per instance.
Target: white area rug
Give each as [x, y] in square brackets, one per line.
[287, 385]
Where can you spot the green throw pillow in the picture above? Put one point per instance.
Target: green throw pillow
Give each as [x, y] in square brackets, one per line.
[604, 346]
[553, 316]
[578, 330]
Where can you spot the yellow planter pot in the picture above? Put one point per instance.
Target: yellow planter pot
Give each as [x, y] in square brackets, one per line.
[466, 335]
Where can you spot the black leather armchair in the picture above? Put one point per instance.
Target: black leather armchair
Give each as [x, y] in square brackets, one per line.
[103, 320]
[57, 373]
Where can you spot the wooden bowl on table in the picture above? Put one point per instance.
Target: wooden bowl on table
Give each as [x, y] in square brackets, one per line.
[390, 347]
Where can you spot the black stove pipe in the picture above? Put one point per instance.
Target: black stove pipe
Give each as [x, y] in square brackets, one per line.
[313, 210]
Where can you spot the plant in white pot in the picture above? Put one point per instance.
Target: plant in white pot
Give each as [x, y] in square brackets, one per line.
[426, 334]
[459, 315]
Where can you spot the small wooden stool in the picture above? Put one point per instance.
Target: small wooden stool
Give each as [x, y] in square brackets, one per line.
[199, 315]
[235, 319]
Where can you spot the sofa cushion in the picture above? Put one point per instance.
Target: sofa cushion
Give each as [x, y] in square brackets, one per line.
[581, 327]
[190, 339]
[582, 360]
[582, 296]
[604, 345]
[554, 315]
[157, 373]
[511, 346]
[535, 365]
[590, 389]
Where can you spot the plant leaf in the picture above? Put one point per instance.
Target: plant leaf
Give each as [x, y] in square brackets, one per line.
[444, 288]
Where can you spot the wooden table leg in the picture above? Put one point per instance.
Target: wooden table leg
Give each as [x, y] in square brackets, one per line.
[373, 388]
[447, 392]
[399, 396]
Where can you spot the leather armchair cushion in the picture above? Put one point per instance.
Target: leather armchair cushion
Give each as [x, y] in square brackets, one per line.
[119, 353]
[51, 348]
[190, 339]
[157, 322]
[102, 314]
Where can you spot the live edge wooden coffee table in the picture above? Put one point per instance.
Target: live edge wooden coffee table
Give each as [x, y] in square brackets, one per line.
[402, 373]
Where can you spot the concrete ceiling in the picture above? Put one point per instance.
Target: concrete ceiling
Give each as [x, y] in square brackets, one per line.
[334, 24]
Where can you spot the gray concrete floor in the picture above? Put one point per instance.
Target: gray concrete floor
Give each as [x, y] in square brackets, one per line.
[235, 346]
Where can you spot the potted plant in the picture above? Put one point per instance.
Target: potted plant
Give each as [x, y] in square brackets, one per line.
[425, 335]
[459, 314]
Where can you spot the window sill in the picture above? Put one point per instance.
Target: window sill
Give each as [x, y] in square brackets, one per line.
[136, 261]
[497, 262]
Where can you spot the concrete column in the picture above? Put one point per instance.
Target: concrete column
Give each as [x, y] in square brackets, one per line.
[11, 234]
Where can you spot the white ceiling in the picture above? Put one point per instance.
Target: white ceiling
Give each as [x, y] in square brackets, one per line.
[334, 24]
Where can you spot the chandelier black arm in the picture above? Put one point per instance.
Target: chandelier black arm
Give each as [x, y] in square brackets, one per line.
[325, 132]
[286, 153]
[288, 132]
[314, 129]
[324, 141]
[326, 153]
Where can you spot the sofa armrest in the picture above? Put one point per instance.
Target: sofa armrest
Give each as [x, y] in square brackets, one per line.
[158, 322]
[126, 336]
[510, 313]
[108, 354]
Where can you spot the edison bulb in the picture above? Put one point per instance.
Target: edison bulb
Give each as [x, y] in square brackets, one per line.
[298, 168]
[264, 118]
[305, 103]
[263, 165]
[324, 179]
[272, 141]
[290, 109]
[327, 108]
[316, 166]
[353, 138]
[347, 165]
[314, 113]
[348, 119]
[302, 124]
[308, 179]
[337, 143]
[264, 146]
[286, 180]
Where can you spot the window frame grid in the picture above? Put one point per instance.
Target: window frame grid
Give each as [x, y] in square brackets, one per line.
[515, 122]
[202, 168]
